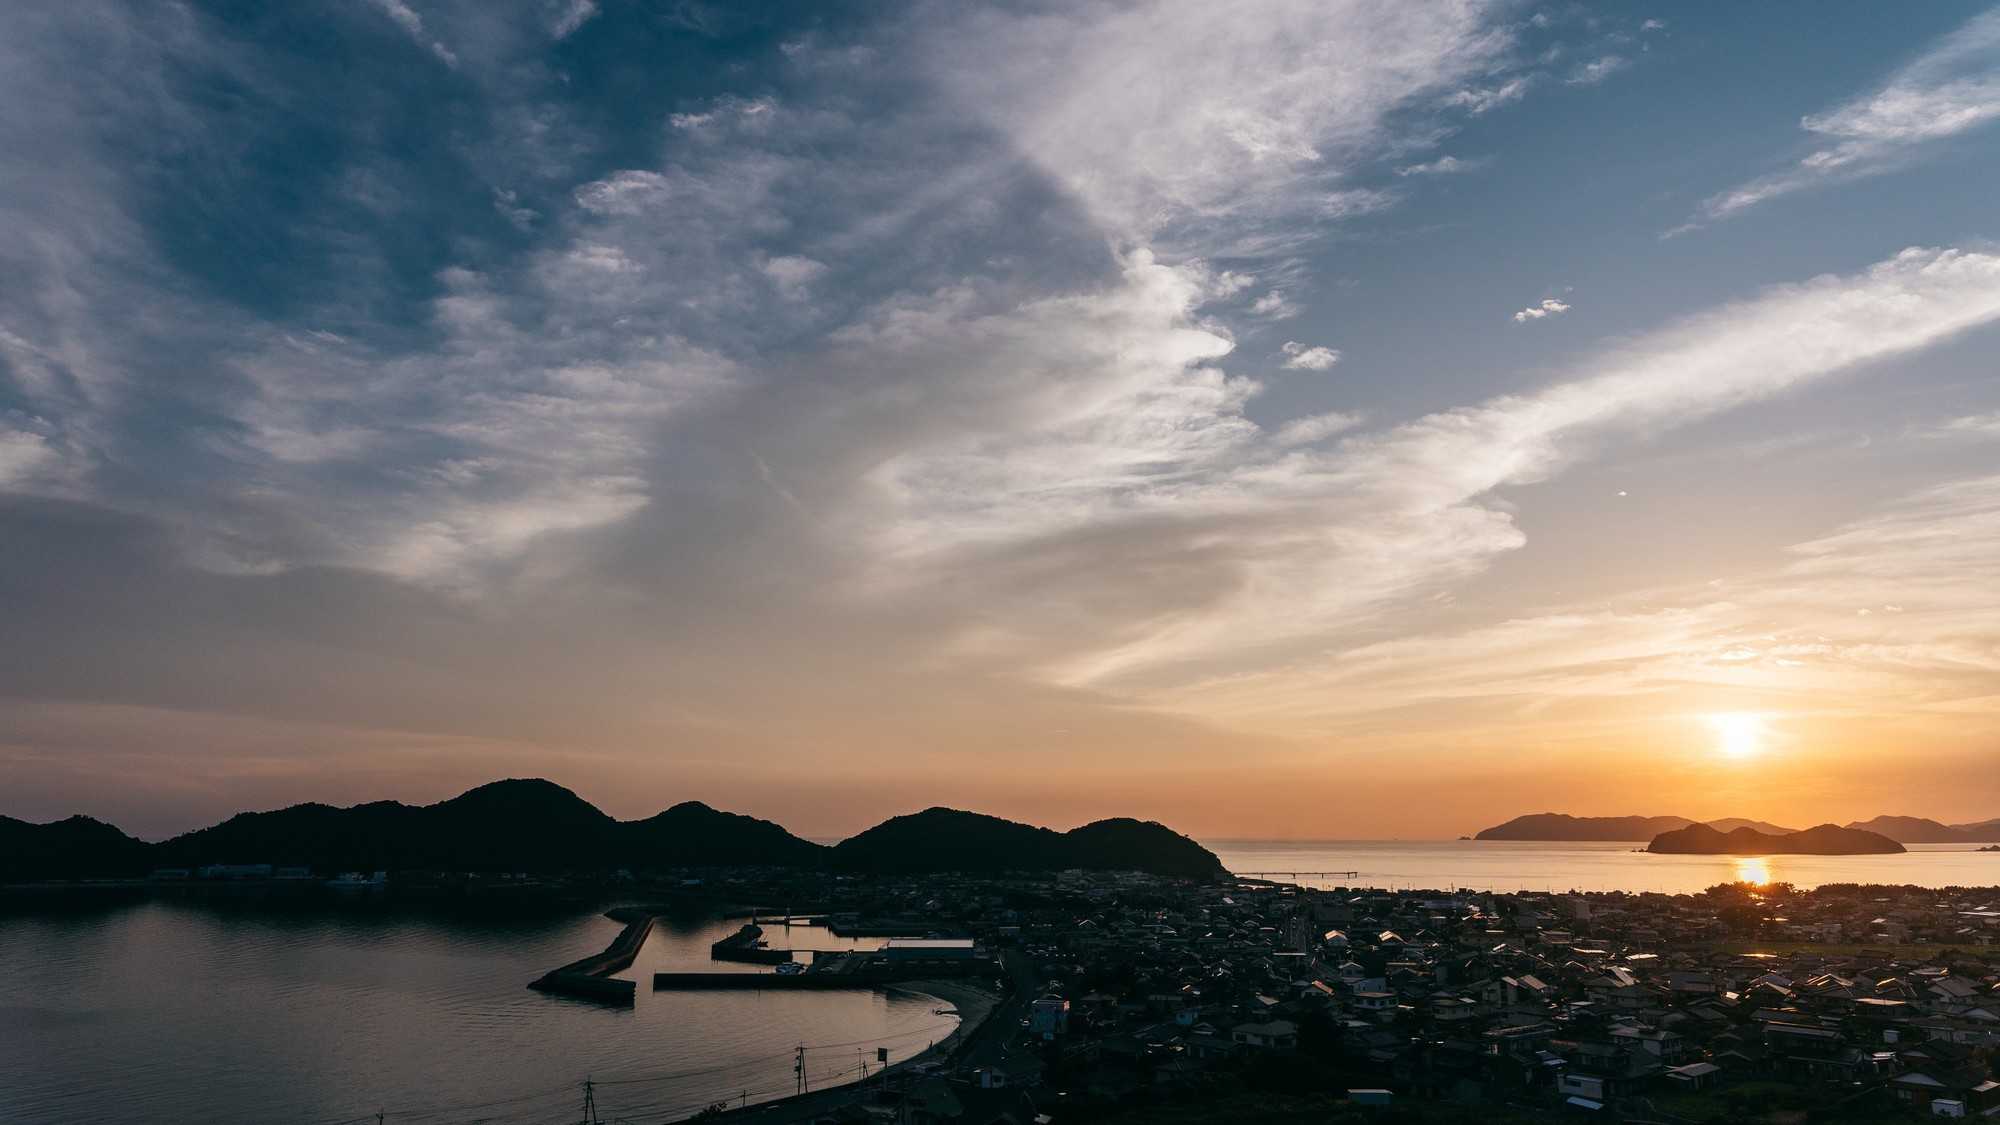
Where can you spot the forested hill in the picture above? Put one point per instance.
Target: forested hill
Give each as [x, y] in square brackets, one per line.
[538, 826]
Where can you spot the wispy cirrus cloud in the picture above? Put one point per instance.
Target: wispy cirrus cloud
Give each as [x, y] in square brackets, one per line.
[1952, 89]
[1182, 123]
[1591, 73]
[1442, 166]
[1228, 551]
[1884, 622]
[413, 25]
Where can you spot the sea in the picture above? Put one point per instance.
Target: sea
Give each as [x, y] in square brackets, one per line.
[222, 1010]
[1533, 865]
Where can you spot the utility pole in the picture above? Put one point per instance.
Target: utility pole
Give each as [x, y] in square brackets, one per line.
[799, 1070]
[590, 1103]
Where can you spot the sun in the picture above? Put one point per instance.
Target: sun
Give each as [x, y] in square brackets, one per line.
[1738, 734]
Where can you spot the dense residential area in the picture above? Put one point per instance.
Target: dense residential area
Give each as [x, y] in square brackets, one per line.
[1152, 999]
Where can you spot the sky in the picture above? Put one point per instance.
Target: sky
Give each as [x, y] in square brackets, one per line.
[1318, 419]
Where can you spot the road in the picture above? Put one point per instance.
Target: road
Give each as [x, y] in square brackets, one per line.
[982, 1046]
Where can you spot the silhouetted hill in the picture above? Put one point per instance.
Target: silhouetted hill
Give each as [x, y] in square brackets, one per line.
[1124, 844]
[1732, 823]
[1825, 839]
[514, 825]
[76, 848]
[1982, 831]
[324, 838]
[538, 826]
[1561, 826]
[693, 834]
[940, 839]
[521, 824]
[1912, 830]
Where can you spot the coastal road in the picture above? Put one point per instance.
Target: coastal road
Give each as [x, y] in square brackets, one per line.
[982, 1046]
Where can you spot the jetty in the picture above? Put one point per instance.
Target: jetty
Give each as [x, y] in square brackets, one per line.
[590, 978]
[747, 945]
[774, 982]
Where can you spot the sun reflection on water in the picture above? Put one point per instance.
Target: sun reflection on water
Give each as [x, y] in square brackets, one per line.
[1754, 869]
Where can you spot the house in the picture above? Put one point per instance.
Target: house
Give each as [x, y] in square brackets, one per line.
[1017, 1070]
[931, 1102]
[1694, 1076]
[1276, 1035]
[1377, 1004]
[1967, 1084]
[1048, 1017]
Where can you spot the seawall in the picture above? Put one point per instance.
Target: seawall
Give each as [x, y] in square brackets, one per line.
[774, 982]
[591, 977]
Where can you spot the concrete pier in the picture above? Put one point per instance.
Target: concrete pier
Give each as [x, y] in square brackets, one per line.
[590, 978]
[774, 982]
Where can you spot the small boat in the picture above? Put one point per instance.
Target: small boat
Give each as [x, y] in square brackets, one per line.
[790, 968]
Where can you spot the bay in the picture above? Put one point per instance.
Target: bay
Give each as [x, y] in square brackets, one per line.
[171, 1012]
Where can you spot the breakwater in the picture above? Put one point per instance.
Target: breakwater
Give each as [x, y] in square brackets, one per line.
[775, 982]
[591, 977]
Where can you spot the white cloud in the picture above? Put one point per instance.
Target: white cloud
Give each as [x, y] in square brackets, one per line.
[23, 458]
[1951, 89]
[1593, 73]
[793, 274]
[1274, 305]
[1187, 118]
[1549, 307]
[1302, 358]
[1442, 166]
[623, 193]
[1314, 427]
[573, 15]
[1484, 99]
[413, 24]
[1978, 425]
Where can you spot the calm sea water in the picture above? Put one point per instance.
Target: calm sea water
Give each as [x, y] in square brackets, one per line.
[1502, 865]
[174, 1012]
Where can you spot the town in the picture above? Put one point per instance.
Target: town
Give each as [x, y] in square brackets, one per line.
[1135, 997]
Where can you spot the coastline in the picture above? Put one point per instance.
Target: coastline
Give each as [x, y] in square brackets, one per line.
[973, 1004]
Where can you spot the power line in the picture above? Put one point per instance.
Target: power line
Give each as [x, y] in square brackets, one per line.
[592, 1084]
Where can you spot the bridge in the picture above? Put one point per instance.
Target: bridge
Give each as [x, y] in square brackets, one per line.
[1298, 874]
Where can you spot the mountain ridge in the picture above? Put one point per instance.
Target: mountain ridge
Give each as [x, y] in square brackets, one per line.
[534, 825]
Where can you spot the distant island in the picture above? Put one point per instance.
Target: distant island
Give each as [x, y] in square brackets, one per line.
[531, 825]
[1917, 830]
[1605, 829]
[1825, 839]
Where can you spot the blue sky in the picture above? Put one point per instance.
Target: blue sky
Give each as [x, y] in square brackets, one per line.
[1320, 419]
